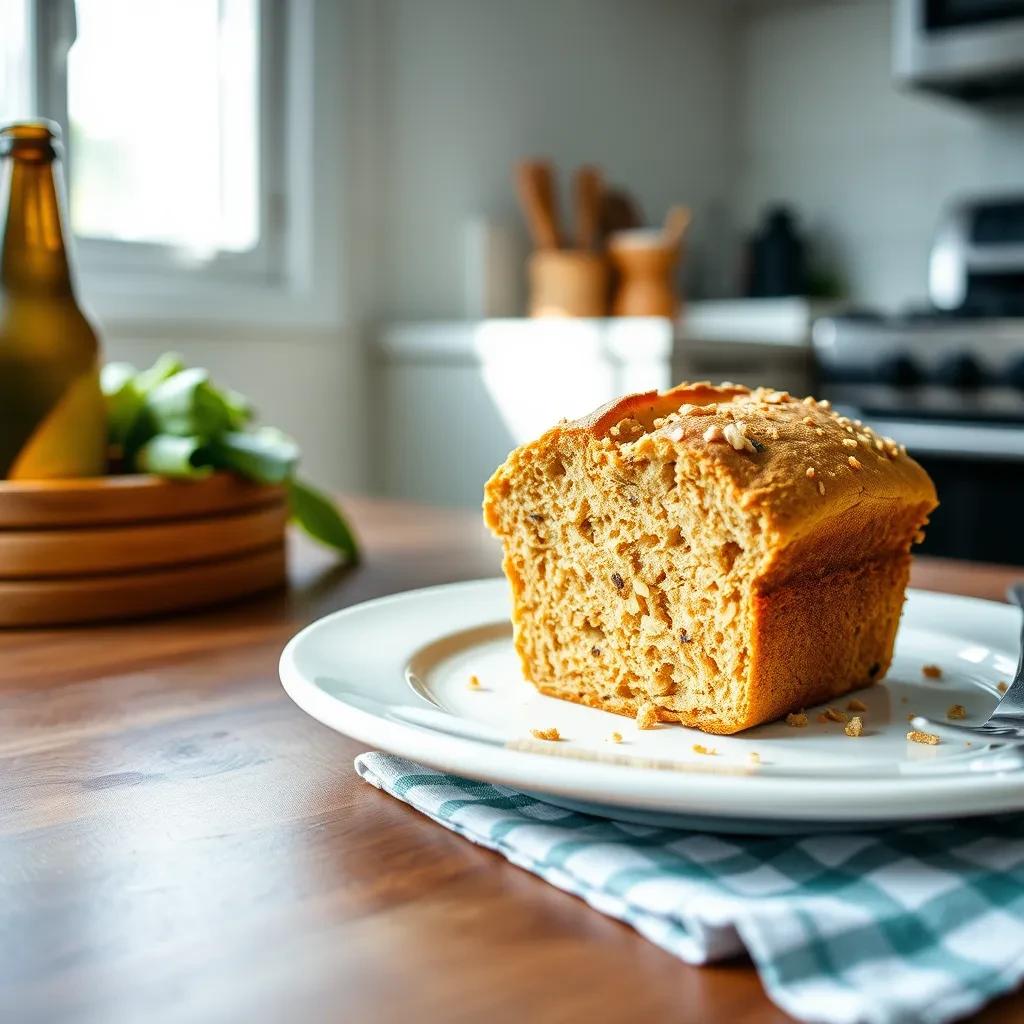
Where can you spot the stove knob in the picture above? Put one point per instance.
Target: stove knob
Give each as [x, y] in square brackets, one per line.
[959, 372]
[1015, 374]
[899, 371]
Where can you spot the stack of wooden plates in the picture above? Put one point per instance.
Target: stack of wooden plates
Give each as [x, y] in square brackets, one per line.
[123, 547]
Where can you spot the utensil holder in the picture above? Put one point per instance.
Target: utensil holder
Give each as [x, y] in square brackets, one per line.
[645, 277]
[568, 282]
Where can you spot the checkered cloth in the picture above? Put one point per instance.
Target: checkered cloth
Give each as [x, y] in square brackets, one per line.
[922, 924]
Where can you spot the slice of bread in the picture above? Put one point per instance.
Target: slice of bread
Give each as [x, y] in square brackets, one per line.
[708, 555]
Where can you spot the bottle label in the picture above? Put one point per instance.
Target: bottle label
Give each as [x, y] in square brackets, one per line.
[72, 440]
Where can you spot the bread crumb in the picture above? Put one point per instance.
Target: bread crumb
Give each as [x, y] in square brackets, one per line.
[931, 671]
[856, 705]
[855, 726]
[474, 683]
[616, 737]
[699, 748]
[1002, 687]
[821, 718]
[646, 716]
[546, 734]
[854, 464]
[955, 711]
[754, 757]
[928, 738]
[797, 721]
[835, 715]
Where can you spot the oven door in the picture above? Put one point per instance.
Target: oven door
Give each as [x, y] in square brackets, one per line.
[978, 469]
[963, 47]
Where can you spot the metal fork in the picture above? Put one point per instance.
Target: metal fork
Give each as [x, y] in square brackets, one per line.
[1006, 723]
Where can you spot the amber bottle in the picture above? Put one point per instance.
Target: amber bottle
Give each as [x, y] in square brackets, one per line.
[52, 419]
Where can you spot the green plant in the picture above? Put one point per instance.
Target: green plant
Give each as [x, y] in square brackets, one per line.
[171, 420]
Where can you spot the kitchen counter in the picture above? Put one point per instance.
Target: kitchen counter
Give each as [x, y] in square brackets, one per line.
[477, 388]
[179, 842]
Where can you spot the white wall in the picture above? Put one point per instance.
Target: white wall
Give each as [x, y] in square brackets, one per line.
[869, 167]
[470, 86]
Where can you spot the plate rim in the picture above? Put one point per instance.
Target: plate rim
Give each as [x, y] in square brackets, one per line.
[735, 794]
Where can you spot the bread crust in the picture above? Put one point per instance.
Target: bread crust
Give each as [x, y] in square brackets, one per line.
[775, 482]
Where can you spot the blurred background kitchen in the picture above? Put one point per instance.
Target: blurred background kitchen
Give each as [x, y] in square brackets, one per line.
[348, 209]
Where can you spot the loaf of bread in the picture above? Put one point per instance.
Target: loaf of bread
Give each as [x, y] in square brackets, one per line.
[713, 556]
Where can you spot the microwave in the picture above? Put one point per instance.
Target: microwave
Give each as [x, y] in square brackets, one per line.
[972, 49]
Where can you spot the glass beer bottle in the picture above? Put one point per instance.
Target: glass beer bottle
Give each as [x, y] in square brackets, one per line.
[52, 418]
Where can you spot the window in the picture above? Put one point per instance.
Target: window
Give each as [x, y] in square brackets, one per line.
[174, 159]
[15, 70]
[170, 111]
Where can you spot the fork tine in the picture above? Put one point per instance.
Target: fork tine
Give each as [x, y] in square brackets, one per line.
[975, 734]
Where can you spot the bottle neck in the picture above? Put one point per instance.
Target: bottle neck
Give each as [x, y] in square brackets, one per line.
[33, 258]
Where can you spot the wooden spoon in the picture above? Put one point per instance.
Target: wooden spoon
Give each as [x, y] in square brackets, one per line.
[677, 220]
[588, 190]
[536, 187]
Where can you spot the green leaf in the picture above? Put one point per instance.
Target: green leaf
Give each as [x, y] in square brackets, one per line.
[265, 455]
[187, 405]
[239, 408]
[114, 376]
[166, 366]
[321, 519]
[117, 382]
[179, 457]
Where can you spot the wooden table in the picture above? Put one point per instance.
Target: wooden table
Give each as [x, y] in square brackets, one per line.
[179, 842]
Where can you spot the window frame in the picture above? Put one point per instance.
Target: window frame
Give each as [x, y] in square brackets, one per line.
[156, 267]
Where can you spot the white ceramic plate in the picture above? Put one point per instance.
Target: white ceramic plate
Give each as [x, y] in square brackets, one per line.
[394, 673]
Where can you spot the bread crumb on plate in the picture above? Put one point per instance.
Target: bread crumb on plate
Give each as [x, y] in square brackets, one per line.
[699, 748]
[956, 711]
[616, 737]
[931, 671]
[796, 721]
[856, 705]
[646, 716]
[855, 726]
[546, 734]
[474, 683]
[928, 738]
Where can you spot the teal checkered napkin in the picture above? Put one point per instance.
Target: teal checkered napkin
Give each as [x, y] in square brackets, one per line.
[923, 924]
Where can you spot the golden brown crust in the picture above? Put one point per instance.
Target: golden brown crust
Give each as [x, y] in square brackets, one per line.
[772, 480]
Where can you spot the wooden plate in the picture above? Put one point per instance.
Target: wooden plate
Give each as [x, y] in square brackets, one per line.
[103, 550]
[132, 595]
[122, 547]
[34, 504]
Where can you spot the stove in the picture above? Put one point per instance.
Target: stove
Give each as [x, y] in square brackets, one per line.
[951, 388]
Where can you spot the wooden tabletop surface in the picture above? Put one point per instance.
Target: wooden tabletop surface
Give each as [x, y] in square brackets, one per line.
[179, 842]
